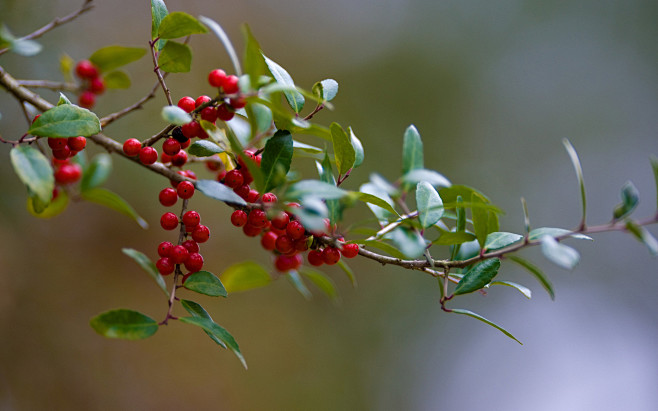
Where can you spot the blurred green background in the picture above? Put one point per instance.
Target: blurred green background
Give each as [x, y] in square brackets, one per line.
[493, 87]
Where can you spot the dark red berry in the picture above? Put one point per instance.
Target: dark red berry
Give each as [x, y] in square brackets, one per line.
[234, 178]
[285, 263]
[185, 144]
[165, 266]
[76, 143]
[201, 234]
[97, 85]
[194, 262]
[178, 135]
[238, 218]
[185, 190]
[186, 103]
[191, 246]
[268, 240]
[171, 146]
[257, 218]
[68, 173]
[250, 230]
[216, 78]
[201, 100]
[253, 195]
[224, 112]
[148, 155]
[191, 129]
[169, 221]
[295, 230]
[62, 153]
[315, 258]
[87, 99]
[131, 147]
[230, 85]
[179, 254]
[188, 173]
[164, 249]
[57, 143]
[179, 159]
[284, 244]
[165, 158]
[242, 191]
[191, 218]
[86, 69]
[350, 250]
[238, 102]
[301, 244]
[330, 255]
[209, 114]
[281, 220]
[168, 197]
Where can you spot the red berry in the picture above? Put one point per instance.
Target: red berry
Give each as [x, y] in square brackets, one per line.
[131, 147]
[189, 228]
[209, 114]
[179, 254]
[268, 240]
[285, 263]
[238, 102]
[243, 191]
[234, 178]
[191, 129]
[281, 220]
[253, 195]
[148, 155]
[250, 230]
[202, 134]
[165, 266]
[68, 173]
[179, 159]
[87, 100]
[238, 218]
[185, 190]
[191, 219]
[230, 85]
[330, 255]
[165, 158]
[224, 112]
[164, 249]
[217, 77]
[315, 258]
[57, 143]
[86, 69]
[200, 234]
[350, 250]
[301, 244]
[257, 218]
[169, 221]
[191, 246]
[201, 100]
[284, 244]
[186, 103]
[269, 198]
[76, 143]
[187, 173]
[97, 86]
[168, 197]
[171, 146]
[62, 153]
[194, 262]
[185, 144]
[295, 230]
[214, 165]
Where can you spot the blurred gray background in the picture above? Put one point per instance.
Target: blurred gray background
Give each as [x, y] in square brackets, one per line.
[493, 87]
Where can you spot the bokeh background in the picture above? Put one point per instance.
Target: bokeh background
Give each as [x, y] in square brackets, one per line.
[493, 87]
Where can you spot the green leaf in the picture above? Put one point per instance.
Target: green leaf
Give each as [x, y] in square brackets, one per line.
[412, 150]
[215, 133]
[307, 148]
[325, 90]
[323, 282]
[347, 270]
[294, 98]
[536, 272]
[630, 197]
[276, 160]
[19, 46]
[97, 172]
[382, 213]
[219, 332]
[450, 194]
[47, 210]
[359, 154]
[478, 276]
[560, 254]
[175, 58]
[421, 174]
[409, 242]
[480, 219]
[384, 246]
[312, 213]
[158, 12]
[644, 236]
[298, 284]
[67, 120]
[374, 200]
[63, 99]
[148, 266]
[314, 188]
[520, 288]
[245, 276]
[484, 320]
[204, 282]
[327, 175]
[219, 191]
[66, 65]
[34, 170]
[175, 115]
[260, 118]
[453, 237]
[221, 35]
[198, 311]
[579, 173]
[430, 206]
[116, 79]
[111, 200]
[178, 24]
[498, 240]
[124, 324]
[538, 233]
[254, 63]
[204, 148]
[343, 149]
[112, 57]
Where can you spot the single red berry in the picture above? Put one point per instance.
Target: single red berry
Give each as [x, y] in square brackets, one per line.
[194, 262]
[253, 195]
[284, 244]
[238, 102]
[189, 228]
[238, 218]
[171, 146]
[186, 103]
[57, 143]
[62, 153]
[201, 234]
[301, 244]
[86, 69]
[350, 250]
[148, 155]
[285, 263]
[131, 147]
[281, 220]
[202, 134]
[185, 190]
[179, 254]
[268, 240]
[179, 159]
[191, 246]
[330, 255]
[216, 78]
[230, 85]
[165, 158]
[164, 248]
[168, 197]
[250, 230]
[87, 99]
[257, 218]
[314, 257]
[221, 175]
[188, 173]
[165, 266]
[191, 129]
[191, 218]
[209, 114]
[215, 164]
[68, 173]
[169, 221]
[185, 144]
[234, 178]
[201, 100]
[97, 85]
[295, 230]
[269, 198]
[224, 112]
[76, 143]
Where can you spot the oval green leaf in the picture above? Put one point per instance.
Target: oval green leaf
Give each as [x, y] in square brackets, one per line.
[204, 148]
[314, 188]
[34, 170]
[97, 172]
[560, 254]
[322, 281]
[245, 276]
[175, 58]
[112, 57]
[111, 200]
[67, 120]
[197, 311]
[124, 324]
[294, 97]
[430, 206]
[537, 273]
[219, 191]
[409, 242]
[538, 233]
[358, 148]
[117, 80]
[454, 237]
[484, 320]
[644, 236]
[325, 90]
[276, 160]
[421, 174]
[498, 240]
[412, 150]
[218, 332]
[204, 282]
[49, 210]
[148, 266]
[630, 197]
[178, 24]
[343, 149]
[478, 276]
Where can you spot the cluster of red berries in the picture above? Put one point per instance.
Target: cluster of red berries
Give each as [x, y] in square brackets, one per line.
[93, 84]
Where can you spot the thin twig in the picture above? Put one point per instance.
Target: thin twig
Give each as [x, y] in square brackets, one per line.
[156, 70]
[50, 85]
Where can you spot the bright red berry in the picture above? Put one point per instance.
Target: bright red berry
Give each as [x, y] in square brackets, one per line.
[194, 262]
[285, 263]
[284, 244]
[165, 158]
[281, 220]
[253, 195]
[186, 103]
[269, 198]
[76, 143]
[191, 218]
[268, 240]
[250, 230]
[68, 173]
[148, 155]
[216, 78]
[201, 233]
[171, 146]
[350, 250]
[243, 191]
[209, 114]
[97, 85]
[301, 244]
[57, 143]
[164, 249]
[257, 218]
[330, 255]
[230, 85]
[168, 197]
[295, 230]
[315, 258]
[179, 254]
[191, 246]
[86, 69]
[238, 218]
[191, 129]
[224, 112]
[185, 144]
[187, 173]
[179, 159]
[165, 266]
[234, 178]
[201, 100]
[87, 99]
[169, 221]
[185, 190]
[131, 147]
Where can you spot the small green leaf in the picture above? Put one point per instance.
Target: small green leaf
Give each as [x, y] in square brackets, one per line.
[215, 133]
[26, 48]
[158, 12]
[327, 175]
[116, 79]
[148, 266]
[294, 98]
[536, 272]
[66, 65]
[430, 206]
[573, 155]
[358, 148]
[453, 237]
[421, 174]
[630, 197]
[520, 288]
[221, 35]
[204, 282]
[382, 213]
[112, 57]
[178, 24]
[644, 236]
[63, 99]
[254, 63]
[312, 213]
[218, 332]
[97, 172]
[314, 188]
[325, 90]
[204, 148]
[175, 58]
[276, 160]
[374, 200]
[260, 118]
[47, 210]
[343, 149]
[538, 233]
[245, 276]
[480, 219]
[348, 271]
[111, 200]
[298, 284]
[498, 240]
[34, 170]
[409, 242]
[197, 311]
[307, 148]
[560, 254]
[124, 324]
[412, 150]
[478, 276]
[219, 191]
[484, 320]
[323, 282]
[67, 120]
[175, 115]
